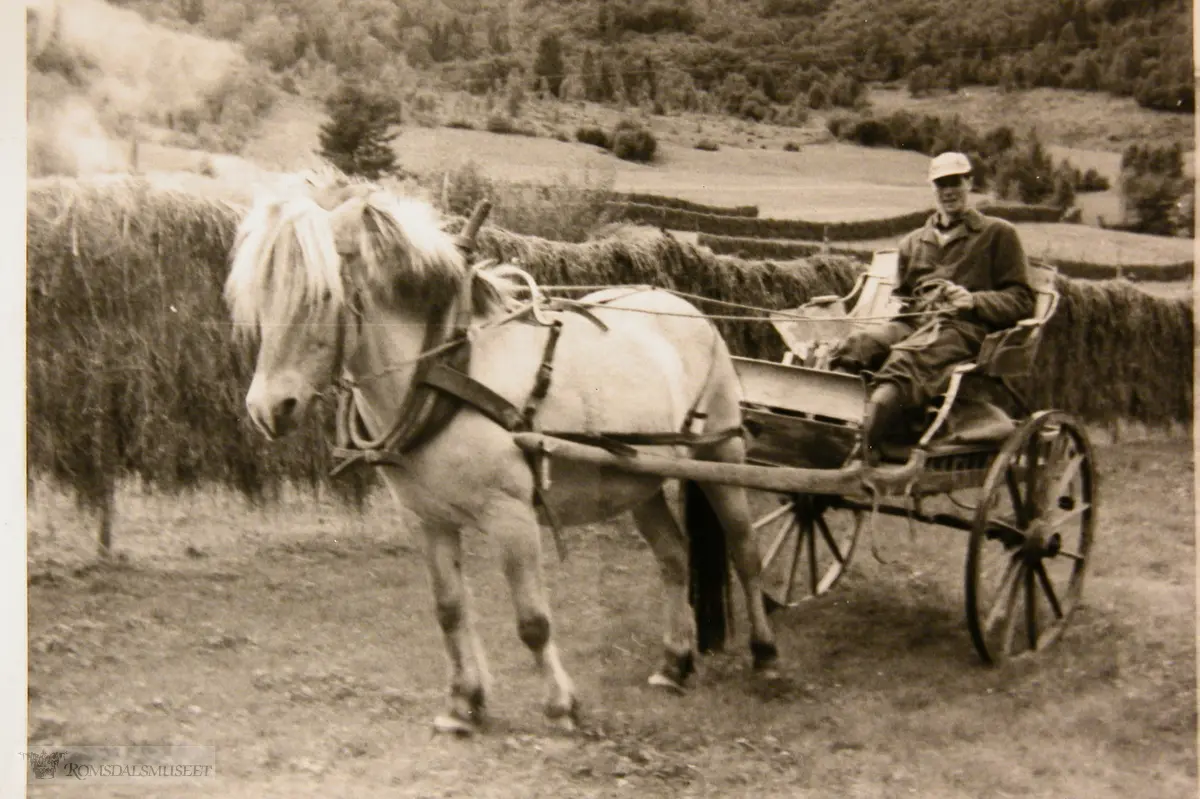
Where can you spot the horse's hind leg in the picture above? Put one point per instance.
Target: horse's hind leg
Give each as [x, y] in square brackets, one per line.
[730, 505]
[468, 668]
[658, 526]
[514, 526]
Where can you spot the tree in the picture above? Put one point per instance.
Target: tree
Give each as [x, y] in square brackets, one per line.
[549, 63]
[589, 75]
[920, 80]
[357, 138]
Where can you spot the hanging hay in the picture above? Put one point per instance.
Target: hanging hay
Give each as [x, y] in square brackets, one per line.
[131, 366]
[665, 262]
[1112, 352]
[132, 369]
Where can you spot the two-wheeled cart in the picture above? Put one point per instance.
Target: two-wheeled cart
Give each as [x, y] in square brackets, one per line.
[1022, 482]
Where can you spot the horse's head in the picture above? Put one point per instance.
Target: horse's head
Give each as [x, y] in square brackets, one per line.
[305, 266]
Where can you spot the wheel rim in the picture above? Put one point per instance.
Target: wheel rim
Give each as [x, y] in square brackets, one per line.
[806, 544]
[1032, 538]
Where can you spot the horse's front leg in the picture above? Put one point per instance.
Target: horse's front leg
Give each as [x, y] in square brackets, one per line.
[468, 669]
[511, 522]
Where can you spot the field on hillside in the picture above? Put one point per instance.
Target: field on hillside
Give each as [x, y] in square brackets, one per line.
[1083, 120]
[301, 643]
[1083, 243]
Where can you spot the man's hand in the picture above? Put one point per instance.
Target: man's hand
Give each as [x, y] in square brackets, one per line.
[957, 297]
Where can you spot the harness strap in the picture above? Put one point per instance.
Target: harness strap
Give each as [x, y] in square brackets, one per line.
[467, 389]
[541, 384]
[561, 304]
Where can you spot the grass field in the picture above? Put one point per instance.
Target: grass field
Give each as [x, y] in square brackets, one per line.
[301, 642]
[1083, 243]
[1088, 121]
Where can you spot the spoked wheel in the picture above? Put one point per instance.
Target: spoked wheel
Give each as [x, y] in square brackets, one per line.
[1032, 538]
[805, 543]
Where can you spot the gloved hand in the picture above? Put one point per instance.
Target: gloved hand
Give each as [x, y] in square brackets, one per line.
[939, 293]
[958, 297]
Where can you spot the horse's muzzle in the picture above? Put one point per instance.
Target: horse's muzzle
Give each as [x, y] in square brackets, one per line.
[275, 415]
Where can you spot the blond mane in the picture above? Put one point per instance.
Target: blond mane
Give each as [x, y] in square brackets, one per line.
[294, 253]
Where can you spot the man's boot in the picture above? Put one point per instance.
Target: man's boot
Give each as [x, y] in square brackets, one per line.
[883, 411]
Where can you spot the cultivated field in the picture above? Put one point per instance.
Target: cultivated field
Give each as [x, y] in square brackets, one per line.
[1089, 121]
[301, 642]
[1083, 243]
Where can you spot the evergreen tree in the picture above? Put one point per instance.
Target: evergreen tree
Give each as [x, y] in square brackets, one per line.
[357, 138]
[549, 63]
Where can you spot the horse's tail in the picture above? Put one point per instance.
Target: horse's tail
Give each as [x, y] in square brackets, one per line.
[708, 585]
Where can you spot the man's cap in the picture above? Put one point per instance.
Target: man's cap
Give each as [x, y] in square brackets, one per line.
[949, 164]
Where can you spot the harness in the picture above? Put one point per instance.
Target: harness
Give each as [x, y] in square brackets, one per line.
[441, 387]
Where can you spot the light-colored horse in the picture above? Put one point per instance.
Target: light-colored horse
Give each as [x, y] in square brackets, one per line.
[342, 278]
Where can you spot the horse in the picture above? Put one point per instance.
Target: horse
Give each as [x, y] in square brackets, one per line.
[342, 283]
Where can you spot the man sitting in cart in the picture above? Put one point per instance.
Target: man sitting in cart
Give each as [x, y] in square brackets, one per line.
[967, 267]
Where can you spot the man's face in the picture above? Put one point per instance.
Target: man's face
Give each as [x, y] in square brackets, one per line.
[951, 193]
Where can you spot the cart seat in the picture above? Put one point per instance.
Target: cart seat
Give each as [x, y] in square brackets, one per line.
[813, 330]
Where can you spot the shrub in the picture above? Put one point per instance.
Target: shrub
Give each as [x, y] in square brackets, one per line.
[1092, 180]
[756, 106]
[632, 142]
[593, 136]
[1152, 201]
[871, 132]
[791, 147]
[501, 123]
[840, 125]
[708, 145]
[461, 124]
[459, 190]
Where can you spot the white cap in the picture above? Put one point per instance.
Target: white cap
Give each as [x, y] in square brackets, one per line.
[949, 164]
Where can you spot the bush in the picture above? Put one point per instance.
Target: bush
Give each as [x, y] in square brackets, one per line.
[756, 107]
[708, 145]
[1092, 180]
[1152, 201]
[593, 136]
[840, 125]
[461, 124]
[500, 123]
[459, 190]
[632, 142]
[791, 147]
[871, 132]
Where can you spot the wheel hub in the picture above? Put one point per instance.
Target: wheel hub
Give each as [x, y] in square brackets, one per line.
[1038, 544]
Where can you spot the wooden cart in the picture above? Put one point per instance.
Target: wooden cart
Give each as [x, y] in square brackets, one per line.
[1023, 481]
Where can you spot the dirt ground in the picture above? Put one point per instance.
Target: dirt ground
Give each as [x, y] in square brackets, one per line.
[301, 642]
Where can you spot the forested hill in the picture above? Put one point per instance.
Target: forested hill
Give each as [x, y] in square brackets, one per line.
[727, 49]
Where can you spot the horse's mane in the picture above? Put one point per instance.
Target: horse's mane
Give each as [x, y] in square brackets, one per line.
[290, 253]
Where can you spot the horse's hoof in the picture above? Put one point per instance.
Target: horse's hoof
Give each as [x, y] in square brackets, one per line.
[660, 680]
[769, 673]
[449, 724]
[564, 723]
[564, 719]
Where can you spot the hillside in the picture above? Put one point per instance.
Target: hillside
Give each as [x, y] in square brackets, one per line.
[745, 58]
[178, 100]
